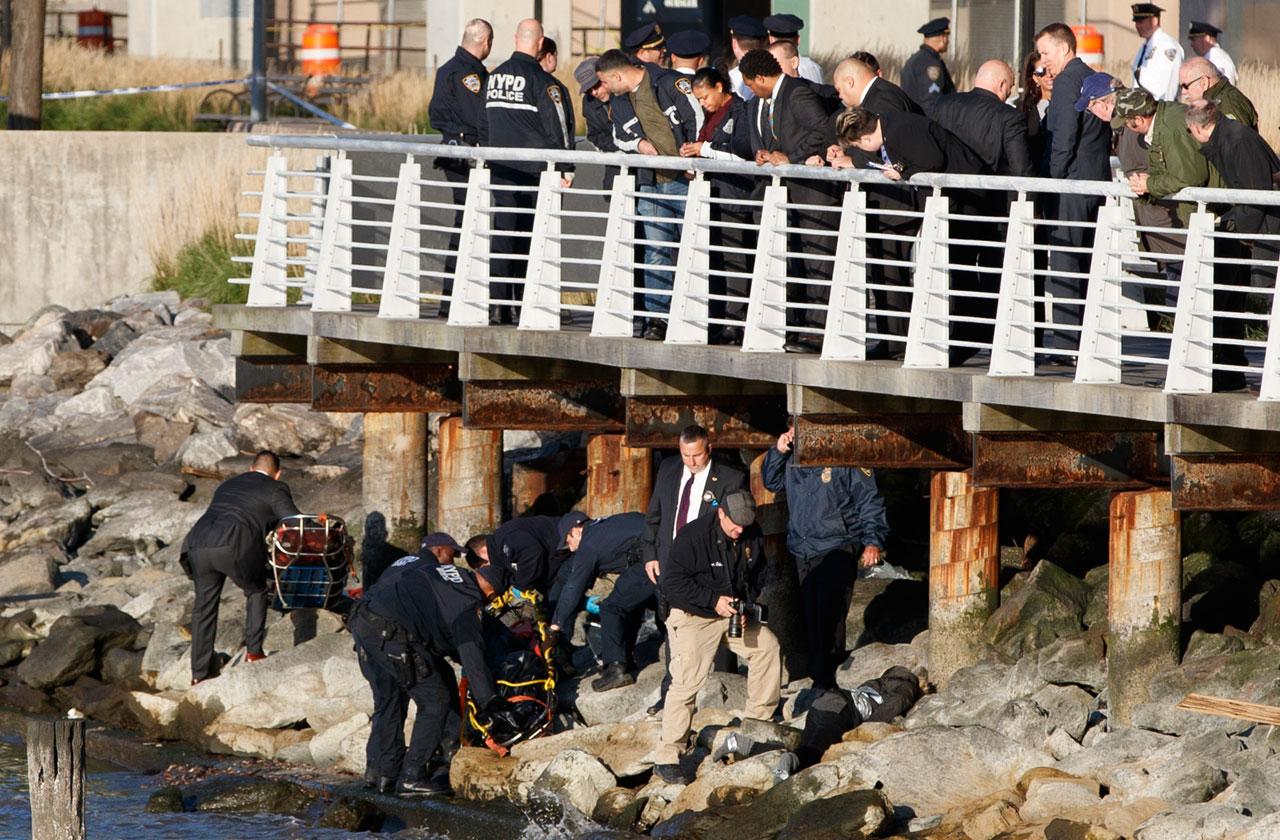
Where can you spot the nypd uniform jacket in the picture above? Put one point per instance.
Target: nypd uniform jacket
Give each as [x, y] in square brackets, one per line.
[457, 104]
[705, 564]
[1155, 67]
[925, 77]
[609, 545]
[529, 546]
[525, 109]
[599, 123]
[439, 604]
[829, 507]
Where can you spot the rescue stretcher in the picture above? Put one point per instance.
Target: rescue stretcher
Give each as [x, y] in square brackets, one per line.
[311, 557]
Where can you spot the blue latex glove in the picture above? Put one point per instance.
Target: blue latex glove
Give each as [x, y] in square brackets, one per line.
[593, 605]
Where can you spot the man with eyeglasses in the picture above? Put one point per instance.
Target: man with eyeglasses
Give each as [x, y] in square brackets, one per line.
[1199, 78]
[1155, 67]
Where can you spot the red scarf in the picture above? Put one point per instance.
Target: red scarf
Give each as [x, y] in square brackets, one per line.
[712, 122]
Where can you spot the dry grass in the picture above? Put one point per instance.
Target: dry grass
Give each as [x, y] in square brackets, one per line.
[1261, 83]
[393, 103]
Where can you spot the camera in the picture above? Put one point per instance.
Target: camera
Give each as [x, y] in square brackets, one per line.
[753, 611]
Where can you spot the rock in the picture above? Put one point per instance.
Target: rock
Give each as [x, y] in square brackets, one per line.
[1266, 828]
[165, 437]
[617, 808]
[1208, 820]
[871, 661]
[186, 401]
[204, 451]
[122, 667]
[979, 761]
[855, 814]
[250, 796]
[74, 646]
[1248, 675]
[886, 610]
[296, 627]
[141, 524]
[763, 817]
[1074, 660]
[27, 699]
[1267, 625]
[74, 368]
[755, 772]
[115, 339]
[163, 355]
[30, 486]
[1216, 591]
[1048, 605]
[64, 525]
[690, 825]
[156, 714]
[987, 818]
[622, 747]
[32, 386]
[34, 350]
[1073, 799]
[1124, 817]
[1024, 721]
[731, 795]
[1068, 707]
[143, 301]
[284, 429]
[92, 403]
[1204, 644]
[167, 800]
[31, 570]
[577, 775]
[1257, 790]
[1111, 750]
[109, 490]
[976, 695]
[612, 706]
[480, 774]
[348, 814]
[327, 747]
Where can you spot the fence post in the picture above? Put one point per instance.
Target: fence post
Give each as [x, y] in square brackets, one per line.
[315, 228]
[469, 303]
[1013, 343]
[332, 293]
[928, 343]
[270, 251]
[1190, 368]
[687, 321]
[1099, 357]
[401, 281]
[766, 324]
[845, 335]
[615, 287]
[540, 302]
[55, 776]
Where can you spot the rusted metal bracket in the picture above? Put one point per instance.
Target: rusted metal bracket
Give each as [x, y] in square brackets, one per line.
[1076, 459]
[742, 421]
[273, 379]
[1226, 481]
[386, 387]
[920, 441]
[584, 405]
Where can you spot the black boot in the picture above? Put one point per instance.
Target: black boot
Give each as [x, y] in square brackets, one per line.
[386, 785]
[370, 779]
[425, 787]
[615, 675]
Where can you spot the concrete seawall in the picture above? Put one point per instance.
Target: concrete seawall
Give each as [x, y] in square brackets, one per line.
[82, 214]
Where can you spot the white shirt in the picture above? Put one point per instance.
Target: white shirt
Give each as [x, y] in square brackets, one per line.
[695, 496]
[810, 69]
[767, 105]
[867, 89]
[1218, 58]
[739, 86]
[1155, 67]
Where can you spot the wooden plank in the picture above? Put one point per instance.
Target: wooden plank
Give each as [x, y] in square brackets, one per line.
[1226, 707]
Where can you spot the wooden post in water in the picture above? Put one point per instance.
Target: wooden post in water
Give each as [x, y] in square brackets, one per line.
[55, 775]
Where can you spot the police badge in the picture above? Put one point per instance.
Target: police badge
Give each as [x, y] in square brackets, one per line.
[1171, 54]
[554, 93]
[826, 475]
[471, 82]
[708, 497]
[934, 73]
[683, 85]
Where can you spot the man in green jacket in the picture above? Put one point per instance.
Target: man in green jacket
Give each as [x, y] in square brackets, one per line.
[1174, 159]
[1198, 78]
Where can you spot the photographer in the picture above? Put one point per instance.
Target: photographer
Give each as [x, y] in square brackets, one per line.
[712, 579]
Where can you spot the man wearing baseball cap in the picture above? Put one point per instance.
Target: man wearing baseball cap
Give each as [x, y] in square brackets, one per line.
[714, 575]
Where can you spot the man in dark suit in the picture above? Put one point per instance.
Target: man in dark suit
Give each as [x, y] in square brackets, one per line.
[228, 541]
[791, 126]
[688, 486]
[1079, 149]
[860, 86]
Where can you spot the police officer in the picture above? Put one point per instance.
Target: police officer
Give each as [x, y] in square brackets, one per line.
[836, 524]
[458, 100]
[548, 60]
[646, 44]
[525, 109]
[1204, 40]
[745, 34]
[688, 50]
[1155, 67]
[404, 627]
[527, 545]
[787, 28]
[716, 570]
[925, 76]
[603, 546]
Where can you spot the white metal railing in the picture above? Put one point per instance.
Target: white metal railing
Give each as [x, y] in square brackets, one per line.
[875, 274]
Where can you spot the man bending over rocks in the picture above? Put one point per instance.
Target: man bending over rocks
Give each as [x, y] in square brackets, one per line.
[229, 541]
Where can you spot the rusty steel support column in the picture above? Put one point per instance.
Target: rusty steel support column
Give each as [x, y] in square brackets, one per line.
[394, 489]
[964, 570]
[619, 477]
[1144, 597]
[470, 492]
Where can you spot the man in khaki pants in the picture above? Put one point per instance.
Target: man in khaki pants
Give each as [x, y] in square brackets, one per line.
[715, 571]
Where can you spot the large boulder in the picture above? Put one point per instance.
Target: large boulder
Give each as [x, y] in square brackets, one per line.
[34, 349]
[1075, 660]
[481, 774]
[623, 748]
[284, 429]
[65, 525]
[30, 570]
[74, 368]
[1246, 675]
[186, 401]
[250, 795]
[851, 815]
[599, 707]
[203, 450]
[1046, 604]
[141, 523]
[167, 355]
[1209, 819]
[576, 775]
[755, 773]
[76, 644]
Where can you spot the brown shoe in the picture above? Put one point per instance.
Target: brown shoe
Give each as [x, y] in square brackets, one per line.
[254, 657]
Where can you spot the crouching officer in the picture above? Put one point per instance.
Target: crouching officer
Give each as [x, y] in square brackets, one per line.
[713, 579]
[404, 627]
[611, 545]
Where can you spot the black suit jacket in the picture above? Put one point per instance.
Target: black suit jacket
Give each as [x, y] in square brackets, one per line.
[884, 96]
[243, 510]
[801, 126]
[989, 127]
[660, 519]
[1079, 144]
[918, 144]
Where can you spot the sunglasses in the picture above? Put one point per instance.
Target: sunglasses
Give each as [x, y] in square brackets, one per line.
[1039, 71]
[1187, 85]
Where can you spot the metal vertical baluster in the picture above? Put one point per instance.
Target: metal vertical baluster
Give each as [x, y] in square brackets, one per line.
[616, 284]
[927, 331]
[324, 166]
[687, 322]
[1190, 368]
[1013, 343]
[845, 336]
[540, 303]
[401, 280]
[766, 324]
[1100, 340]
[1269, 389]
[333, 263]
[269, 273]
[469, 303]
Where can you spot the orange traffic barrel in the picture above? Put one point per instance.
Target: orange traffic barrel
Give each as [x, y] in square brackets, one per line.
[319, 53]
[1089, 46]
[93, 29]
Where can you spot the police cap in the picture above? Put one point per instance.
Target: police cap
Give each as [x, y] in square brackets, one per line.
[1132, 102]
[1145, 10]
[440, 540]
[937, 26]
[1199, 27]
[783, 24]
[746, 26]
[568, 522]
[689, 43]
[647, 37]
[585, 74]
[1095, 86]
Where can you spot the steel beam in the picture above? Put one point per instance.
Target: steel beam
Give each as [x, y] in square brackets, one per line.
[386, 387]
[1226, 481]
[581, 405]
[1077, 459]
[920, 441]
[273, 379]
[749, 421]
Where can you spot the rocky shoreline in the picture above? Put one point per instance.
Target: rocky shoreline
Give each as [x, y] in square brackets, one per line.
[118, 423]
